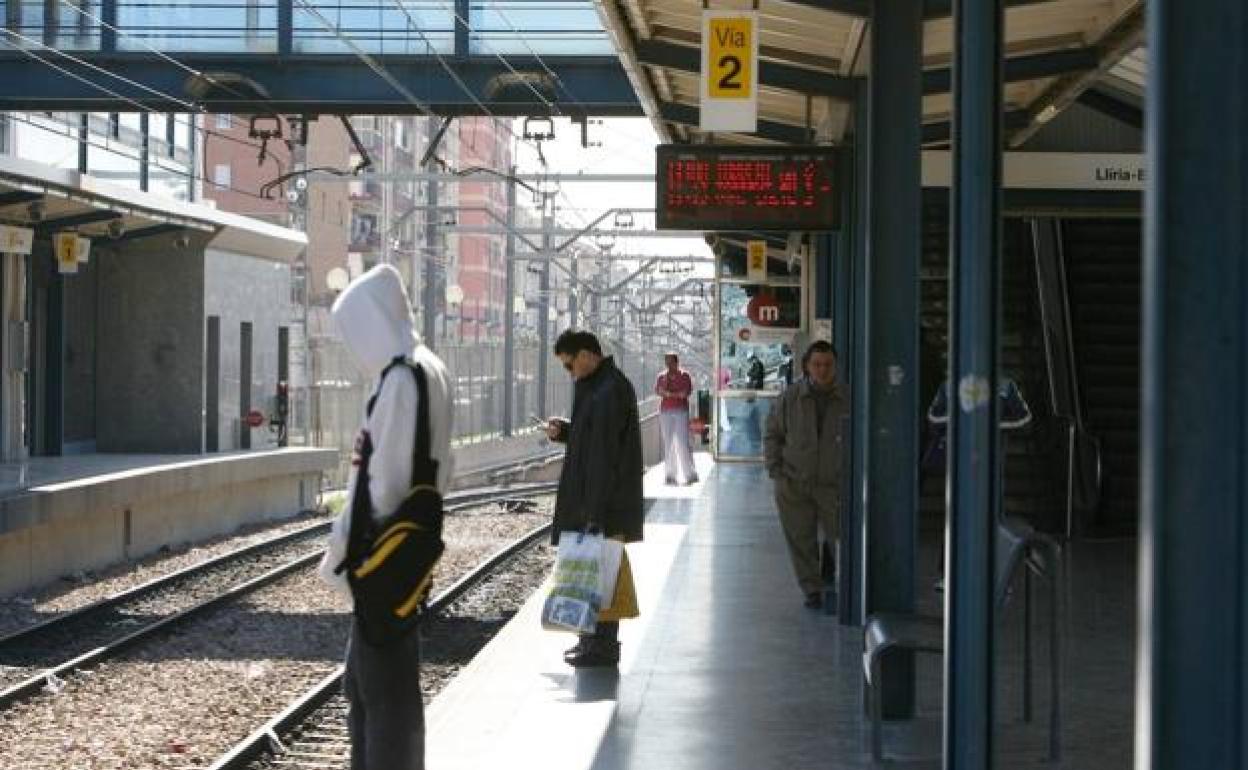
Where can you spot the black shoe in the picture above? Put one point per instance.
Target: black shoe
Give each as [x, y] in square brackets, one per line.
[598, 654]
[814, 600]
[575, 649]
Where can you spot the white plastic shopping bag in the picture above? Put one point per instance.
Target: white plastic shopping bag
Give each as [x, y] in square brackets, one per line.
[584, 579]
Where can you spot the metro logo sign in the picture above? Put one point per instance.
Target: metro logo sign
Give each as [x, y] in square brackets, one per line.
[729, 87]
[763, 310]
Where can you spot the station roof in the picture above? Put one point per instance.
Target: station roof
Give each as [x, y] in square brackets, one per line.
[813, 53]
[68, 200]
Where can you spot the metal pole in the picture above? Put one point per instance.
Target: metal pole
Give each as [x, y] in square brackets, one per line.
[893, 247]
[849, 578]
[429, 293]
[974, 441]
[859, 355]
[543, 305]
[572, 291]
[509, 315]
[1191, 698]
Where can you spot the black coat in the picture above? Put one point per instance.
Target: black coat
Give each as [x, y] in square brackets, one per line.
[602, 473]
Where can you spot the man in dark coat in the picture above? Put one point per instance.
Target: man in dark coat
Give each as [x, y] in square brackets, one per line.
[600, 485]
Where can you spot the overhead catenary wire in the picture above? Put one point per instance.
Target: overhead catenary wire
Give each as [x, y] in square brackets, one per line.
[553, 75]
[192, 171]
[72, 133]
[160, 54]
[191, 107]
[551, 106]
[449, 70]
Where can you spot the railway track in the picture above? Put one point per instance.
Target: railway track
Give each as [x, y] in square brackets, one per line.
[41, 656]
[311, 731]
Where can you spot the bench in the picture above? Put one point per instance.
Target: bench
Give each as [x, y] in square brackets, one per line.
[1017, 545]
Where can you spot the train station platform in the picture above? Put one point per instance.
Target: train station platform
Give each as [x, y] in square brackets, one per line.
[61, 515]
[727, 670]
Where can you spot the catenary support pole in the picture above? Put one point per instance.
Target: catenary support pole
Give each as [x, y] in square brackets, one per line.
[509, 315]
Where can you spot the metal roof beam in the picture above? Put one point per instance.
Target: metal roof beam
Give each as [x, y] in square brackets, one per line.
[148, 232]
[943, 131]
[859, 8]
[943, 9]
[770, 74]
[1112, 107]
[16, 197]
[1115, 44]
[767, 129]
[74, 220]
[327, 84]
[1027, 67]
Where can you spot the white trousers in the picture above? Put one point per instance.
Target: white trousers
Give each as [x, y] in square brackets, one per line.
[677, 459]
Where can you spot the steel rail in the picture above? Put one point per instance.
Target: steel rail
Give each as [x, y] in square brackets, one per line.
[267, 738]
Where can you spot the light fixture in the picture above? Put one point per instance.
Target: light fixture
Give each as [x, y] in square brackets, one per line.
[1047, 114]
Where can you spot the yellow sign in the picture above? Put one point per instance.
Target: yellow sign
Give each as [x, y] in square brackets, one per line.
[66, 252]
[731, 59]
[728, 86]
[756, 260]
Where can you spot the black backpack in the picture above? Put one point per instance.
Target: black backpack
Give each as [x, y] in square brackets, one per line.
[389, 564]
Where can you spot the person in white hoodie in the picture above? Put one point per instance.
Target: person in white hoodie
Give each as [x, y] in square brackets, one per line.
[382, 684]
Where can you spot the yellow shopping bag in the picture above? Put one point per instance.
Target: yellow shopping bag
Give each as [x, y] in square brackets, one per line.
[624, 601]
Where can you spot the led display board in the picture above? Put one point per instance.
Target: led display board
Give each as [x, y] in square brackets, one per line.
[710, 187]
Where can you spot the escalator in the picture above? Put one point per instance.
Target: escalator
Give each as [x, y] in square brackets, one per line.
[1029, 486]
[1070, 340]
[1102, 258]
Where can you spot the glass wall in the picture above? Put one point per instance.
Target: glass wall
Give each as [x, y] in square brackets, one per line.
[758, 319]
[544, 27]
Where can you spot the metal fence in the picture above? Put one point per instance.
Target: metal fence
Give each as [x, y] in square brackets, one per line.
[330, 412]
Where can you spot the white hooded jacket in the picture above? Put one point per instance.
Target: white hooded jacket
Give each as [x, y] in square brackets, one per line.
[375, 322]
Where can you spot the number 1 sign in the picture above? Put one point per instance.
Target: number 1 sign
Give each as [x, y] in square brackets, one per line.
[729, 71]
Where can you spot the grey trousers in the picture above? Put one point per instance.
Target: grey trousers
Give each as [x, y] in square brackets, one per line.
[803, 510]
[386, 712]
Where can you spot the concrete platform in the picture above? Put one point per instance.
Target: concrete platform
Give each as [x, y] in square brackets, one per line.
[60, 515]
[726, 670]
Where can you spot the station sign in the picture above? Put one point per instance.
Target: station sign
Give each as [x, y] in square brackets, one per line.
[71, 249]
[729, 83]
[756, 260]
[731, 187]
[16, 240]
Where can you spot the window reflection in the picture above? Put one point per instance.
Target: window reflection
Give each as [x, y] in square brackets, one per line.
[740, 426]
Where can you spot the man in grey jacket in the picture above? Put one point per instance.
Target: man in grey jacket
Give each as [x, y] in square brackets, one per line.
[803, 447]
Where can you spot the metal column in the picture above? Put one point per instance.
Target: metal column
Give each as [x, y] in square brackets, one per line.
[1192, 698]
[573, 288]
[858, 356]
[849, 557]
[509, 313]
[145, 151]
[893, 247]
[54, 368]
[429, 296]
[543, 304]
[974, 441]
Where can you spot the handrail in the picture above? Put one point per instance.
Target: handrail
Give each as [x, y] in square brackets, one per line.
[1066, 407]
[1064, 295]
